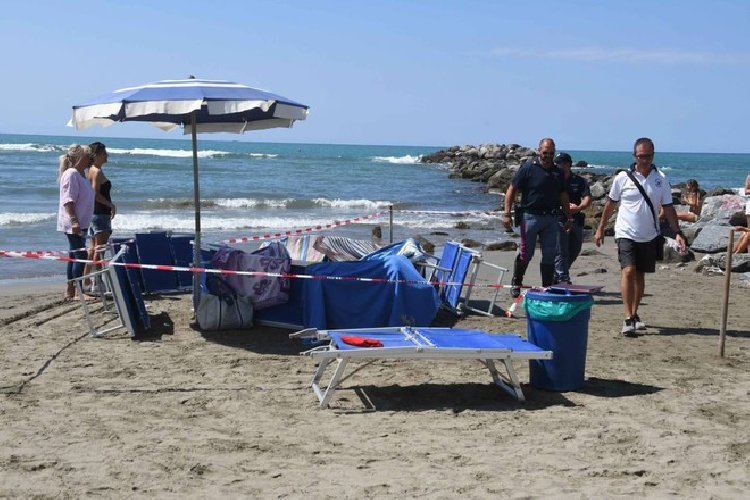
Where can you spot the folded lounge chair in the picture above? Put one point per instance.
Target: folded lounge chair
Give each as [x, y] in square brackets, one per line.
[459, 265]
[418, 343]
[122, 284]
[102, 284]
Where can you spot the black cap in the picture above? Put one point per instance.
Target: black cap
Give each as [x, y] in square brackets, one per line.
[561, 157]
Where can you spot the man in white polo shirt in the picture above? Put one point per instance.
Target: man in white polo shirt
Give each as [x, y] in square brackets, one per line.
[637, 226]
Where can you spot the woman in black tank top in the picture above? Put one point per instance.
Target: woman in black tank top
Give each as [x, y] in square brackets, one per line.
[104, 209]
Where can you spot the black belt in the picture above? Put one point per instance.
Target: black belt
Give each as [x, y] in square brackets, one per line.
[542, 212]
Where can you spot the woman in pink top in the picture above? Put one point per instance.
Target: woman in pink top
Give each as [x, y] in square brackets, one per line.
[76, 208]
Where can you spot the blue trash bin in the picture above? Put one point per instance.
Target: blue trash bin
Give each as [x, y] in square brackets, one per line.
[558, 321]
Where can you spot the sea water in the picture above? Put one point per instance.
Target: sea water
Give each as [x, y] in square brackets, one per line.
[251, 189]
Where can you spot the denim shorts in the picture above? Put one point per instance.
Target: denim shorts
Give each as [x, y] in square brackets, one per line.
[100, 223]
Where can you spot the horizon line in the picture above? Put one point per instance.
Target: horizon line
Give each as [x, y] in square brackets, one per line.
[187, 139]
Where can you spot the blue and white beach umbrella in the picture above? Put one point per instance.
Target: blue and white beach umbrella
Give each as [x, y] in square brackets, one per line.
[199, 106]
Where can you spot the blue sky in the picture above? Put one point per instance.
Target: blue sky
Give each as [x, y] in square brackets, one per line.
[592, 74]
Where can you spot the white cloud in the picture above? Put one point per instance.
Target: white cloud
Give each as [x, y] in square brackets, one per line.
[595, 54]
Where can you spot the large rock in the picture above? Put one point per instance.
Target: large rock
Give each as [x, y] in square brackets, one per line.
[502, 246]
[501, 179]
[468, 242]
[426, 244]
[598, 190]
[712, 238]
[722, 207]
[740, 262]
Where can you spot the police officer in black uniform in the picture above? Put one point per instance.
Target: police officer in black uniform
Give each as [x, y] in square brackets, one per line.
[543, 201]
[570, 242]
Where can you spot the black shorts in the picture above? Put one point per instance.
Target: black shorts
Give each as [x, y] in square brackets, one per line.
[640, 255]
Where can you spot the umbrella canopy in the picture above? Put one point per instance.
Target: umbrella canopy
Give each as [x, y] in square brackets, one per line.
[218, 106]
[199, 106]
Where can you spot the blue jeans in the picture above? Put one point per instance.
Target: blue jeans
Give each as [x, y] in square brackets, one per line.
[76, 241]
[568, 247]
[543, 227]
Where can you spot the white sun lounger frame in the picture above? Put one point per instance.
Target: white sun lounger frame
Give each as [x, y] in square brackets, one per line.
[109, 286]
[327, 354]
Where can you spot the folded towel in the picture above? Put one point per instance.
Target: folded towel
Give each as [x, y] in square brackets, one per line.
[361, 341]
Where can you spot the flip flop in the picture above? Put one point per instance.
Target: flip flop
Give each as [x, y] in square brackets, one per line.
[87, 298]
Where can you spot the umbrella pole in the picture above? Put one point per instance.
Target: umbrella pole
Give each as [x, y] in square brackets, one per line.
[197, 202]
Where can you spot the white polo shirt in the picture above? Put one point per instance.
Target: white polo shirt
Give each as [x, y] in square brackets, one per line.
[634, 218]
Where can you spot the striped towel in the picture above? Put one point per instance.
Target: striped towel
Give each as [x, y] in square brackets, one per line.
[339, 248]
[301, 248]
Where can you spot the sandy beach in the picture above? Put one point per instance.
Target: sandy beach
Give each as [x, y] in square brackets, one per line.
[191, 414]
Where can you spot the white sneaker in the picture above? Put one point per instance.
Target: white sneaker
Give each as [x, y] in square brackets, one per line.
[628, 327]
[639, 324]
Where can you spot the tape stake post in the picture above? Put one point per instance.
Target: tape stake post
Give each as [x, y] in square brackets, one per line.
[390, 224]
[725, 304]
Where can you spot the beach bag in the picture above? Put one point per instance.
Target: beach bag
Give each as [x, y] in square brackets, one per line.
[222, 309]
[263, 291]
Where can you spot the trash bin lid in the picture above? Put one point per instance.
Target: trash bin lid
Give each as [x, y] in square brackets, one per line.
[558, 295]
[556, 305]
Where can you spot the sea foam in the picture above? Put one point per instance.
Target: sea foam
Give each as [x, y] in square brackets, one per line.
[138, 222]
[168, 203]
[338, 203]
[33, 148]
[172, 153]
[11, 219]
[398, 159]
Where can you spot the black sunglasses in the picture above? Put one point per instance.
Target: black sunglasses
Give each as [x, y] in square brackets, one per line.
[644, 157]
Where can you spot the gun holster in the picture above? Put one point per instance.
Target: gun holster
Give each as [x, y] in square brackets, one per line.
[517, 214]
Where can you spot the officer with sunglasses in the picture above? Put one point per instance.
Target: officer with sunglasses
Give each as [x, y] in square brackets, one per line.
[543, 201]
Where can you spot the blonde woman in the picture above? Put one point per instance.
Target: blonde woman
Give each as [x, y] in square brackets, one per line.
[76, 208]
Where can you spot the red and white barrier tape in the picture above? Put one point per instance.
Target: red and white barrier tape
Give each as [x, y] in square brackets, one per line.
[164, 267]
[62, 252]
[297, 232]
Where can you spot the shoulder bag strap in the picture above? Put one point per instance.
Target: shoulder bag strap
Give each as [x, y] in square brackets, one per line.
[645, 197]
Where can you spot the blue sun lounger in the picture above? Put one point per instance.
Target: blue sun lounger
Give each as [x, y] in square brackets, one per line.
[419, 343]
[181, 246]
[459, 265]
[122, 283]
[154, 248]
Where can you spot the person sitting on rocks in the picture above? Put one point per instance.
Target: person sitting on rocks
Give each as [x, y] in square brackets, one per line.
[692, 198]
[742, 245]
